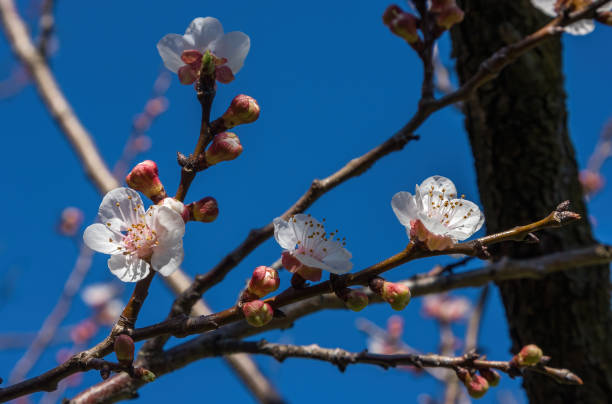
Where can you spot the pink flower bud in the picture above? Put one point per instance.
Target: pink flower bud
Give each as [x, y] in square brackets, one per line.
[356, 300]
[257, 313]
[449, 16]
[529, 355]
[205, 210]
[477, 387]
[70, 221]
[224, 147]
[156, 106]
[405, 26]
[396, 294]
[491, 375]
[177, 206]
[144, 178]
[124, 349]
[83, 331]
[265, 280]
[395, 327]
[391, 13]
[243, 109]
[591, 181]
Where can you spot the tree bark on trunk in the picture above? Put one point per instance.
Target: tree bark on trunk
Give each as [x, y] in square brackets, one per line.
[525, 164]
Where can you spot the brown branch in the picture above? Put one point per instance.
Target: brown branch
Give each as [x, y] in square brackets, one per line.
[123, 387]
[488, 70]
[183, 326]
[53, 97]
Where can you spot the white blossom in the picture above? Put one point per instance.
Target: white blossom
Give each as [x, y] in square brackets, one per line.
[582, 27]
[304, 239]
[136, 239]
[204, 34]
[98, 294]
[436, 207]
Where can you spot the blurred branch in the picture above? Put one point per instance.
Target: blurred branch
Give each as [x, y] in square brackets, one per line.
[51, 324]
[47, 26]
[21, 340]
[474, 324]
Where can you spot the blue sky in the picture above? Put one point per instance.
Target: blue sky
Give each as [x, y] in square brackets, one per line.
[332, 83]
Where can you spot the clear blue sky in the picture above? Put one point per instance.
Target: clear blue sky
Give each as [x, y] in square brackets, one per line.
[332, 83]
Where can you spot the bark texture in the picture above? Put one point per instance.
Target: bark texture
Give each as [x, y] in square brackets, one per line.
[525, 164]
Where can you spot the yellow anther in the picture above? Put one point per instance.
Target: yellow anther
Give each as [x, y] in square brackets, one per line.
[117, 204]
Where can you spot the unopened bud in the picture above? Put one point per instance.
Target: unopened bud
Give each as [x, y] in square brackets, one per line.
[243, 109]
[144, 374]
[257, 313]
[396, 294]
[529, 355]
[177, 206]
[477, 387]
[449, 16]
[145, 178]
[205, 210]
[124, 349]
[224, 147]
[405, 26]
[265, 280]
[391, 13]
[440, 5]
[491, 375]
[70, 221]
[356, 300]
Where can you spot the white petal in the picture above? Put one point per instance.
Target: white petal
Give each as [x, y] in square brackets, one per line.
[100, 238]
[233, 46]
[439, 185]
[203, 31]
[405, 208]
[171, 48]
[121, 203]
[581, 27]
[465, 220]
[168, 225]
[606, 7]
[174, 204]
[546, 6]
[284, 234]
[433, 225]
[313, 262]
[128, 268]
[166, 260]
[339, 260]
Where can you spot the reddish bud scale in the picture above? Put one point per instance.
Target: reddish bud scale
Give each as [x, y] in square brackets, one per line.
[449, 16]
[491, 375]
[391, 13]
[396, 294]
[264, 280]
[224, 147]
[477, 386]
[124, 349]
[257, 313]
[145, 178]
[205, 210]
[405, 26]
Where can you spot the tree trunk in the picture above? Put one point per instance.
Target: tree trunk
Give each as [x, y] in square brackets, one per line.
[525, 163]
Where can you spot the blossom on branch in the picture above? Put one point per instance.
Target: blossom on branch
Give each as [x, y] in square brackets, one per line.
[434, 215]
[136, 239]
[182, 54]
[309, 248]
[554, 7]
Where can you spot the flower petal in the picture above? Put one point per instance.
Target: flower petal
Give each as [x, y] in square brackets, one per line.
[123, 204]
[546, 6]
[100, 238]
[284, 234]
[581, 27]
[339, 260]
[166, 259]
[465, 220]
[203, 31]
[405, 208]
[233, 46]
[171, 47]
[169, 225]
[313, 262]
[128, 268]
